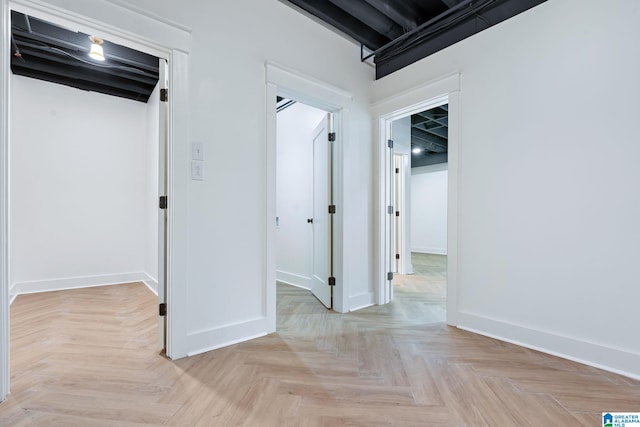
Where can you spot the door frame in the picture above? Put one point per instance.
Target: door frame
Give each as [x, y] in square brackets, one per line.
[384, 112]
[291, 84]
[161, 38]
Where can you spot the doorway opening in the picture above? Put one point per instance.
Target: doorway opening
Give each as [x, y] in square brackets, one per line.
[157, 222]
[420, 154]
[444, 92]
[333, 102]
[303, 193]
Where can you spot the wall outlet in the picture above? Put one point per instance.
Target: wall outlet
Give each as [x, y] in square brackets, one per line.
[197, 151]
[197, 171]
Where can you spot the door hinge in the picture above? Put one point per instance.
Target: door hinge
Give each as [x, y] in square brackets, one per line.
[164, 95]
[390, 275]
[390, 143]
[332, 136]
[390, 210]
[162, 309]
[332, 209]
[397, 256]
[397, 213]
[163, 202]
[332, 281]
[397, 170]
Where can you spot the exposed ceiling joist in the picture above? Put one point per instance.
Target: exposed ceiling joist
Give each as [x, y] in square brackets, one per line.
[430, 137]
[400, 32]
[403, 14]
[46, 51]
[428, 141]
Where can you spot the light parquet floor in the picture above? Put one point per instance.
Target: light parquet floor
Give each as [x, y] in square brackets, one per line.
[88, 358]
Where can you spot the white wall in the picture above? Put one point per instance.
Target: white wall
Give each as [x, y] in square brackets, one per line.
[78, 184]
[294, 191]
[548, 201]
[429, 209]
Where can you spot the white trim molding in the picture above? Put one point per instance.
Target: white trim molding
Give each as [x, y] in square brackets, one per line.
[65, 283]
[600, 356]
[293, 279]
[213, 339]
[364, 300]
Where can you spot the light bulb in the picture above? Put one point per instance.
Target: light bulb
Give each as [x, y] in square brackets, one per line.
[96, 51]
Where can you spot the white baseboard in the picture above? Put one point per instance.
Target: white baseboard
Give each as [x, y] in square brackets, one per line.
[303, 282]
[151, 283]
[361, 301]
[599, 356]
[12, 294]
[212, 339]
[80, 282]
[429, 250]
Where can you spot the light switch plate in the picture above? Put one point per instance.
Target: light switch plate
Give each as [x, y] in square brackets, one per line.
[197, 151]
[197, 171]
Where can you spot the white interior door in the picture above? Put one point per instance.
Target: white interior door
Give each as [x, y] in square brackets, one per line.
[322, 220]
[163, 206]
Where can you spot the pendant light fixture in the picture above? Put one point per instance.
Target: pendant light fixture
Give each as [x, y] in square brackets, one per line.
[96, 51]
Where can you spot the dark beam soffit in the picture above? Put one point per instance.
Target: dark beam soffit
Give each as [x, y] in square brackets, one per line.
[423, 26]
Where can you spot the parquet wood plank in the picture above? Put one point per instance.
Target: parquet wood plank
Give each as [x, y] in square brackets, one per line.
[88, 357]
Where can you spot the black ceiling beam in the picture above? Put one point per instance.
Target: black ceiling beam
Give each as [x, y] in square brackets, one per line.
[89, 87]
[110, 49]
[495, 13]
[371, 16]
[418, 119]
[58, 36]
[428, 141]
[56, 54]
[47, 54]
[428, 115]
[341, 20]
[401, 13]
[451, 3]
[106, 80]
[439, 131]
